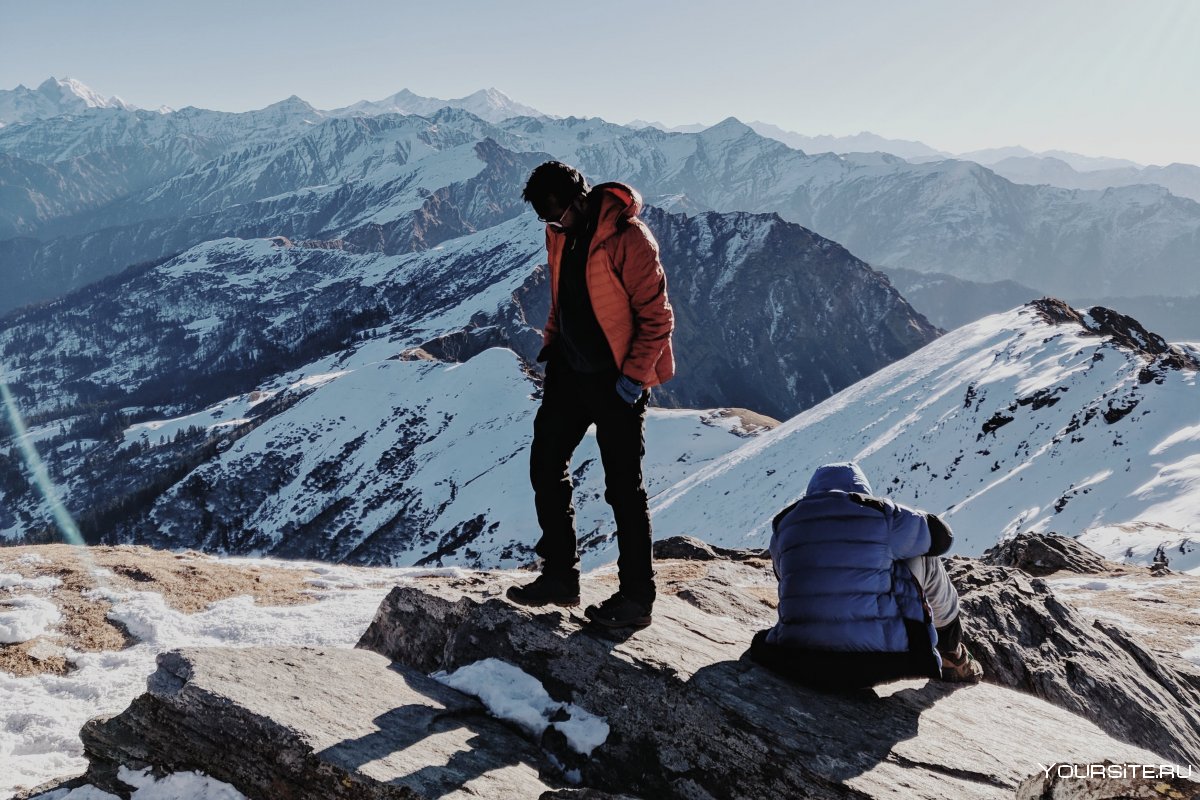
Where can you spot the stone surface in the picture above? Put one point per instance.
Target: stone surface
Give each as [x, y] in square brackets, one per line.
[1029, 639]
[301, 723]
[1042, 554]
[691, 717]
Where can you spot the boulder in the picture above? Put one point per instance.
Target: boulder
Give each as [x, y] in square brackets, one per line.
[1042, 554]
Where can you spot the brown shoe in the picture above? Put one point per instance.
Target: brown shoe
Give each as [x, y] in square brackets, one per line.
[961, 667]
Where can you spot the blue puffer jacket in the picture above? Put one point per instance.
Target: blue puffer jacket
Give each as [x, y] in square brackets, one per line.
[839, 555]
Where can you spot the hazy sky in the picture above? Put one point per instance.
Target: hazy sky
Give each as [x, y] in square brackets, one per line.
[1093, 76]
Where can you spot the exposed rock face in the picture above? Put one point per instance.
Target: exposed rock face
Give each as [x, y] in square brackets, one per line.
[1028, 639]
[1041, 554]
[689, 715]
[1125, 331]
[284, 723]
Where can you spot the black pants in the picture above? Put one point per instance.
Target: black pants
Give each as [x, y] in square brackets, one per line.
[840, 670]
[571, 401]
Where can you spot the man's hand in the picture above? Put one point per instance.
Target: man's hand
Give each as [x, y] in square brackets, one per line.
[629, 389]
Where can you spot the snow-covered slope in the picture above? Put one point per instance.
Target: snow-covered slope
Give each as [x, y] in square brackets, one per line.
[224, 306]
[406, 462]
[1035, 419]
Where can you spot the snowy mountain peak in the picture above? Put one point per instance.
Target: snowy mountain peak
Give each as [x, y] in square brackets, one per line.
[292, 102]
[489, 104]
[729, 127]
[69, 87]
[53, 97]
[490, 95]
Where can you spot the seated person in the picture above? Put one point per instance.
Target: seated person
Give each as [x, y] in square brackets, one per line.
[863, 596]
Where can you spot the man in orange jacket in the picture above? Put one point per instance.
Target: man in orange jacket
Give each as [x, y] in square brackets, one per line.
[606, 342]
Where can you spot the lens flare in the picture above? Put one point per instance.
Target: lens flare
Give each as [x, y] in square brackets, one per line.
[41, 479]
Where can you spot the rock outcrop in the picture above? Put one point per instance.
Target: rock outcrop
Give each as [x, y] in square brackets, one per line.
[1042, 554]
[688, 714]
[1028, 639]
[284, 723]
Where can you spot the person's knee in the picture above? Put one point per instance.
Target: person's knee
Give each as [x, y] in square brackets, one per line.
[935, 583]
[629, 495]
[547, 469]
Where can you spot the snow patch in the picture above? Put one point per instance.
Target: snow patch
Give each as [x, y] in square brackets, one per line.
[511, 693]
[26, 618]
[177, 785]
[39, 728]
[11, 580]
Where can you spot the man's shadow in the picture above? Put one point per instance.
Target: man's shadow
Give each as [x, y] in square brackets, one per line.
[832, 735]
[488, 748]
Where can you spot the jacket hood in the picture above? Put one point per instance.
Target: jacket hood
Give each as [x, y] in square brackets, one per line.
[844, 477]
[619, 203]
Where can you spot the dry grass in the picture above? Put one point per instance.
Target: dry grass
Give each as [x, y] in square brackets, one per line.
[189, 582]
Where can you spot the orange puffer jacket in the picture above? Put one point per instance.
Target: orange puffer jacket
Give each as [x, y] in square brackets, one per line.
[626, 285]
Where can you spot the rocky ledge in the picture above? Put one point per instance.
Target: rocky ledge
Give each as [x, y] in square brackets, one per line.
[686, 714]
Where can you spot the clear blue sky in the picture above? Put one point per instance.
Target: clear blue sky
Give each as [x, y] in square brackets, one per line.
[1100, 77]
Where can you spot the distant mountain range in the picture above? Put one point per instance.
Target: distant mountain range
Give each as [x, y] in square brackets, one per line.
[950, 302]
[55, 97]
[310, 333]
[1182, 180]
[92, 193]
[867, 142]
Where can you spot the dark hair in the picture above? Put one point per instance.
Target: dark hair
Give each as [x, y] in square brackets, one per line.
[554, 178]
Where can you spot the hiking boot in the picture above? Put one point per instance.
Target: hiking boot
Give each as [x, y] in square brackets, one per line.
[620, 611]
[961, 667]
[559, 590]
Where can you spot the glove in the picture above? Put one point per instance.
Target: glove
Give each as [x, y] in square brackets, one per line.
[545, 353]
[629, 389]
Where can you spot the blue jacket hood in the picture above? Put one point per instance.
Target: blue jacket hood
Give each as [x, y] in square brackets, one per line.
[844, 477]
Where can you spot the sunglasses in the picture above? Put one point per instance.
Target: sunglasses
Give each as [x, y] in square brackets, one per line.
[557, 224]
